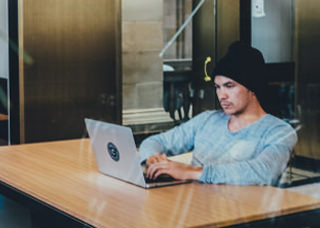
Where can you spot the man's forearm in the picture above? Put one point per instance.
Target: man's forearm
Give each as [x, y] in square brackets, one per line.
[194, 173]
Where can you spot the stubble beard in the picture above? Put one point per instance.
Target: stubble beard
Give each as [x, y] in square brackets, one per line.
[237, 112]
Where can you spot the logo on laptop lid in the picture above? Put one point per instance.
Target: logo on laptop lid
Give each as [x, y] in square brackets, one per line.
[113, 151]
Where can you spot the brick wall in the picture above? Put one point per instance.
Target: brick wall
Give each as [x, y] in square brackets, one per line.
[142, 40]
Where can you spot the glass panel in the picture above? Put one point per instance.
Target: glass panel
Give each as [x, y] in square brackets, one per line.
[272, 29]
[148, 96]
[285, 32]
[272, 34]
[179, 55]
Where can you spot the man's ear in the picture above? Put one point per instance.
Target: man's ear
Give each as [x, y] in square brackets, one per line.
[253, 94]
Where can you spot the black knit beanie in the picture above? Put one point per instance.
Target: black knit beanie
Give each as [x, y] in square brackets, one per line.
[245, 65]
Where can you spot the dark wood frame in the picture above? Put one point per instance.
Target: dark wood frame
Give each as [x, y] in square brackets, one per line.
[13, 91]
[16, 112]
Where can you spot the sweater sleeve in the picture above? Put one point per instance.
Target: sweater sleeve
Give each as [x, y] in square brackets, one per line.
[264, 169]
[176, 141]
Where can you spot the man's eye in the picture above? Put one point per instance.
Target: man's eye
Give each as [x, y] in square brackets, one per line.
[229, 85]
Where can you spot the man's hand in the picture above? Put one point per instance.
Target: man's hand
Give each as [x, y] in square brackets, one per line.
[156, 158]
[176, 170]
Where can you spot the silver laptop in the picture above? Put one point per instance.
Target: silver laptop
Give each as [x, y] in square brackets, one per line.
[116, 154]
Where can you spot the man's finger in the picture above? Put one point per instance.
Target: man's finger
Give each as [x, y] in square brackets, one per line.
[150, 161]
[154, 167]
[159, 172]
[164, 157]
[151, 169]
[156, 158]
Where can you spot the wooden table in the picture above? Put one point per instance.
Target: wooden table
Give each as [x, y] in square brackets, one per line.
[63, 177]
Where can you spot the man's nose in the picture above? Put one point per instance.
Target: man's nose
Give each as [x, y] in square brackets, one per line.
[222, 94]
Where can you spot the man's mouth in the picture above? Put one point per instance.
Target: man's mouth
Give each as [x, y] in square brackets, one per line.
[225, 105]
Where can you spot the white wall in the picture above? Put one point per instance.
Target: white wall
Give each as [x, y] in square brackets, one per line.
[273, 33]
[4, 55]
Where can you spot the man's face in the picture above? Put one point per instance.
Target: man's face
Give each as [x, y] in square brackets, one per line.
[233, 97]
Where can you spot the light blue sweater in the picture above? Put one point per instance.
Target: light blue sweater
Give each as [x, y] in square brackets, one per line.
[256, 154]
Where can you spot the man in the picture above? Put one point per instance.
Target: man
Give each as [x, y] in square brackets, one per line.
[240, 144]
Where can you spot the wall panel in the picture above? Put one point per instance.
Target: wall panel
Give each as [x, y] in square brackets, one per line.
[307, 47]
[74, 72]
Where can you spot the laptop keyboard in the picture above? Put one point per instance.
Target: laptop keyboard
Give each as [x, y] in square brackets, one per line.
[161, 178]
